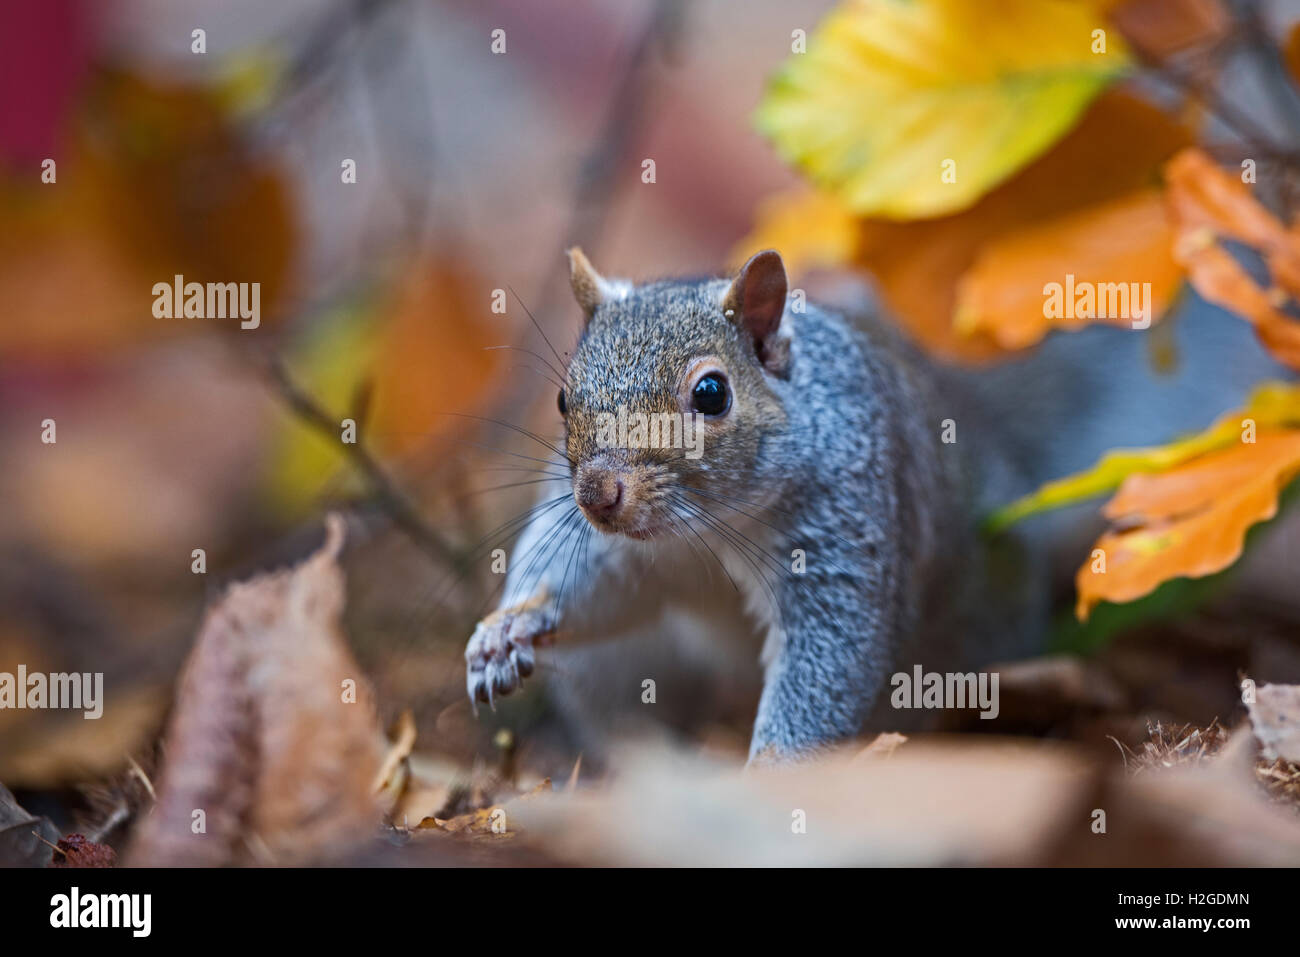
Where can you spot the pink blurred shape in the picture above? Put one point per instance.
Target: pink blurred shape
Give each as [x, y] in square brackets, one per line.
[45, 50]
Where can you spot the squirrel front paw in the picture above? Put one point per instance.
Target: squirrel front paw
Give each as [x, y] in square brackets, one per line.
[500, 653]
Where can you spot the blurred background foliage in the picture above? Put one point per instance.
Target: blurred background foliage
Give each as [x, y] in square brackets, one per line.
[474, 172]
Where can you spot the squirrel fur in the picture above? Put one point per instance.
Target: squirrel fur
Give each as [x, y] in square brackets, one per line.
[832, 448]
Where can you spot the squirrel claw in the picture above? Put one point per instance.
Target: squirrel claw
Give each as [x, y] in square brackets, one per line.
[500, 654]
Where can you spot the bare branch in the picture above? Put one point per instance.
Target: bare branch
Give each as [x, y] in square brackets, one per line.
[384, 491]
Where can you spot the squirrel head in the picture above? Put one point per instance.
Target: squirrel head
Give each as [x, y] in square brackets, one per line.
[669, 394]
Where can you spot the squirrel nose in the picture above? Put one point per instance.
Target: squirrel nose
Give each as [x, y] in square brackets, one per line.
[601, 494]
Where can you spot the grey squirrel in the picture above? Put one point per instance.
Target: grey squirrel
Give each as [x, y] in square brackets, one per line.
[839, 491]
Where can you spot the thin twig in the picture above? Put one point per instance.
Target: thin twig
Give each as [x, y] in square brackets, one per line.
[623, 114]
[1278, 84]
[1227, 113]
[121, 811]
[384, 491]
[1249, 35]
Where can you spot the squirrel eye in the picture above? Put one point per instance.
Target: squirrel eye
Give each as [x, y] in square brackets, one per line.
[563, 406]
[710, 395]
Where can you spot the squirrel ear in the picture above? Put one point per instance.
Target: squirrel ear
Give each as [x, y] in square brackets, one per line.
[756, 302]
[590, 288]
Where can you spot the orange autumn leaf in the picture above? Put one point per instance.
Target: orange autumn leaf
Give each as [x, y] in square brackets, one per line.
[1220, 279]
[1202, 194]
[1189, 521]
[1112, 156]
[811, 229]
[435, 357]
[1117, 148]
[1114, 247]
[1291, 52]
[1206, 203]
[154, 181]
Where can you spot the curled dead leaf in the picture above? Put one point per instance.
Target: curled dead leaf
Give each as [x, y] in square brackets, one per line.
[390, 781]
[274, 744]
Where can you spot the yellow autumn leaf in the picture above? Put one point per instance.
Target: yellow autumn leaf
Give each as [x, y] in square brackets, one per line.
[246, 81]
[1274, 405]
[917, 108]
[1188, 522]
[331, 364]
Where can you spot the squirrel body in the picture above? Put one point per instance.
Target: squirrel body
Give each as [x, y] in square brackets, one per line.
[838, 496]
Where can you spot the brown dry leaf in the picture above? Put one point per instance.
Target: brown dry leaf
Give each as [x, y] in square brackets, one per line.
[1159, 28]
[883, 745]
[539, 789]
[927, 804]
[484, 820]
[1111, 245]
[936, 802]
[478, 821]
[1207, 203]
[274, 735]
[390, 780]
[1116, 149]
[1275, 716]
[492, 818]
[427, 790]
[1189, 521]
